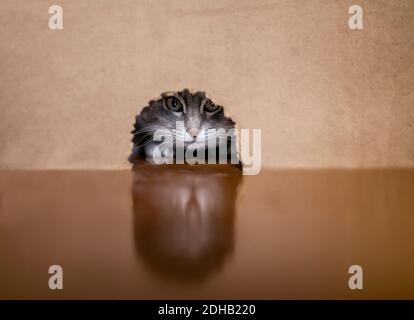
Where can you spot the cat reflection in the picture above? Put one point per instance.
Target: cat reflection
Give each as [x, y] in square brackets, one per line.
[183, 218]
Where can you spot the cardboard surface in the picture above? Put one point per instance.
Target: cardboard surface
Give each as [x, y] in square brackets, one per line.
[323, 95]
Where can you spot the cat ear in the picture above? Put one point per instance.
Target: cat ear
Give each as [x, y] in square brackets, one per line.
[201, 94]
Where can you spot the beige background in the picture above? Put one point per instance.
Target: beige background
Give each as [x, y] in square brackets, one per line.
[322, 94]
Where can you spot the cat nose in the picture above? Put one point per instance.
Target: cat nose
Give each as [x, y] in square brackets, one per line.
[194, 132]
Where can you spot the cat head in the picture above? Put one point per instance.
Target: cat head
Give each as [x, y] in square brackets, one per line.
[196, 111]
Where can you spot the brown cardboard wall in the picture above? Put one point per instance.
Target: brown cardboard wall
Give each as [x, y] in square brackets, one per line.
[322, 94]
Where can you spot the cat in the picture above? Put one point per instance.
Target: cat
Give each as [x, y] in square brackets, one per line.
[198, 114]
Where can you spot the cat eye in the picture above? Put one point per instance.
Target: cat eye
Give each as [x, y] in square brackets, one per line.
[209, 106]
[174, 104]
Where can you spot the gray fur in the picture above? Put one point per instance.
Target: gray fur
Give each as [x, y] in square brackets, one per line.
[195, 115]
